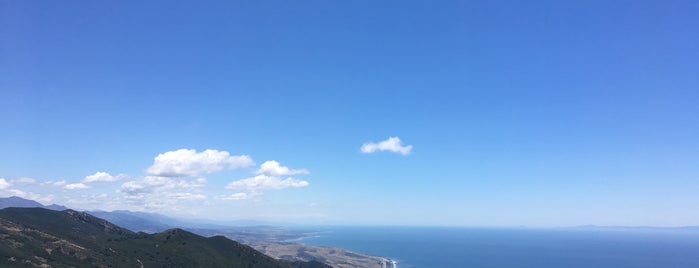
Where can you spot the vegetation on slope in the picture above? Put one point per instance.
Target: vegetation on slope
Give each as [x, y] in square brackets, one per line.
[37, 236]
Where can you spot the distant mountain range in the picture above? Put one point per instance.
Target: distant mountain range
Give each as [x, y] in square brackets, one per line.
[19, 202]
[138, 221]
[47, 238]
[134, 220]
[41, 237]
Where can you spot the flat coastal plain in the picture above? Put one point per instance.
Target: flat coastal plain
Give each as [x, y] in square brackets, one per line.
[335, 257]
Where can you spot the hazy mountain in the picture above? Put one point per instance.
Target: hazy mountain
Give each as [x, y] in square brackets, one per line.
[18, 202]
[138, 221]
[153, 222]
[40, 237]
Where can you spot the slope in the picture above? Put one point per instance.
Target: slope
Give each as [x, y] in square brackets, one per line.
[37, 236]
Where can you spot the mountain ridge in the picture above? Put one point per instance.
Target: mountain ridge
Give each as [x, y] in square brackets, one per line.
[41, 237]
[270, 240]
[16, 201]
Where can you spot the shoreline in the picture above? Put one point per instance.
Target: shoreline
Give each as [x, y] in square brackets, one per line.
[347, 256]
[388, 263]
[394, 264]
[333, 256]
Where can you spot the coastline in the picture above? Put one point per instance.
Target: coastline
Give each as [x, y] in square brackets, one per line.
[388, 263]
[394, 264]
[333, 256]
[349, 256]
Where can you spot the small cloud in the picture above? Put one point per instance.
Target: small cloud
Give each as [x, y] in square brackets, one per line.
[75, 186]
[235, 196]
[187, 162]
[103, 177]
[275, 169]
[392, 144]
[4, 184]
[264, 182]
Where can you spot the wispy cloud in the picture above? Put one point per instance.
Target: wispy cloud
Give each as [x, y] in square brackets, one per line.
[53, 183]
[187, 196]
[187, 162]
[150, 184]
[103, 177]
[161, 193]
[235, 196]
[75, 186]
[25, 180]
[392, 144]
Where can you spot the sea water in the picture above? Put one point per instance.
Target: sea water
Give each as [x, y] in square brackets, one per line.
[427, 247]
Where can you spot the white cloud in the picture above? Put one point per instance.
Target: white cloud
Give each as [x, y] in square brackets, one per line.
[103, 177]
[268, 178]
[4, 184]
[75, 186]
[273, 168]
[235, 196]
[187, 162]
[25, 180]
[392, 144]
[264, 182]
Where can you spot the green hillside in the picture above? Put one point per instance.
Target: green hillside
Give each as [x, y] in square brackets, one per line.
[33, 237]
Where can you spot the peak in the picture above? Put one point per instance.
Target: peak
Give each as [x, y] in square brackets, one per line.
[82, 239]
[176, 231]
[16, 201]
[17, 198]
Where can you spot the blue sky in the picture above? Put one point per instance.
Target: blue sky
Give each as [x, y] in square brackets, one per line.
[537, 113]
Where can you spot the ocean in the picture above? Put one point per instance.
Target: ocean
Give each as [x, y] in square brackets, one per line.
[432, 247]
